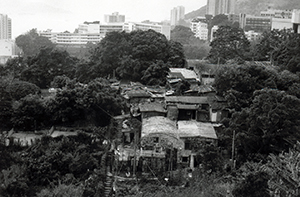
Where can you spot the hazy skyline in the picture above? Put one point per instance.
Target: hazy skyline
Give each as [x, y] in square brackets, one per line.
[62, 15]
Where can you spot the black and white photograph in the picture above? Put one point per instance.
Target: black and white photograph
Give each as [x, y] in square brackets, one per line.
[140, 98]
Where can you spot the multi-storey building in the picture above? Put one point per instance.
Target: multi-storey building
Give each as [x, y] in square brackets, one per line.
[8, 49]
[160, 28]
[200, 28]
[215, 7]
[71, 38]
[89, 27]
[252, 35]
[277, 13]
[296, 20]
[110, 27]
[255, 23]
[213, 32]
[282, 23]
[5, 27]
[114, 18]
[177, 14]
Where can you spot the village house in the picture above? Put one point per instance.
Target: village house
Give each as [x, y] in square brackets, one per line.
[179, 140]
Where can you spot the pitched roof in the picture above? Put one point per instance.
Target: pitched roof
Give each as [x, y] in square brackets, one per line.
[161, 127]
[158, 124]
[196, 129]
[150, 107]
[186, 73]
[138, 94]
[187, 99]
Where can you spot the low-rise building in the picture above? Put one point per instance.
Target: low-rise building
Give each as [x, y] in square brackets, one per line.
[144, 26]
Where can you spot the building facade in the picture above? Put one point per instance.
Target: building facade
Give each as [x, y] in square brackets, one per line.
[282, 23]
[8, 49]
[216, 7]
[296, 20]
[255, 23]
[252, 35]
[200, 28]
[114, 18]
[5, 27]
[277, 13]
[71, 38]
[89, 27]
[177, 14]
[160, 28]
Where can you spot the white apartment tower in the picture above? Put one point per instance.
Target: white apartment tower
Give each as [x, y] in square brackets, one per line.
[5, 27]
[216, 7]
[200, 28]
[177, 13]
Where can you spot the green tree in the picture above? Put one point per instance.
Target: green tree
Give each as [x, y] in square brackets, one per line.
[93, 103]
[156, 74]
[128, 55]
[268, 126]
[181, 87]
[20, 89]
[238, 82]
[281, 47]
[28, 113]
[193, 47]
[283, 170]
[229, 43]
[47, 64]
[182, 34]
[255, 184]
[31, 42]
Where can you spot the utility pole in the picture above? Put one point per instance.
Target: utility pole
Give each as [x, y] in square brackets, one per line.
[232, 151]
[134, 161]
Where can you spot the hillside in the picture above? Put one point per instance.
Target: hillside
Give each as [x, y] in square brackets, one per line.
[256, 6]
[200, 12]
[252, 7]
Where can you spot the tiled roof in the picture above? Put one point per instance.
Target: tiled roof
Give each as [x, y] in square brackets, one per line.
[186, 73]
[187, 99]
[150, 107]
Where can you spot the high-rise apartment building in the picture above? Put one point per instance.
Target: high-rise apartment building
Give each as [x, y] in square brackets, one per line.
[216, 7]
[114, 18]
[296, 20]
[200, 28]
[5, 27]
[177, 13]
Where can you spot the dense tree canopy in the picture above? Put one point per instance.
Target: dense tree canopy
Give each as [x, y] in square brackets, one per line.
[194, 48]
[128, 55]
[47, 64]
[281, 47]
[31, 42]
[229, 43]
[93, 103]
[264, 108]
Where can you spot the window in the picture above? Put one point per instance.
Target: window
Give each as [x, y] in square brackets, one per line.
[187, 145]
[185, 159]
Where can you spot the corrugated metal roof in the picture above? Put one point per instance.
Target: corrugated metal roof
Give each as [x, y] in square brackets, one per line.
[187, 99]
[158, 124]
[164, 128]
[196, 129]
[156, 107]
[186, 73]
[192, 107]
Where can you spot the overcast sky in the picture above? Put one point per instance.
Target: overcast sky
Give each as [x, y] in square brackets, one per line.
[61, 15]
